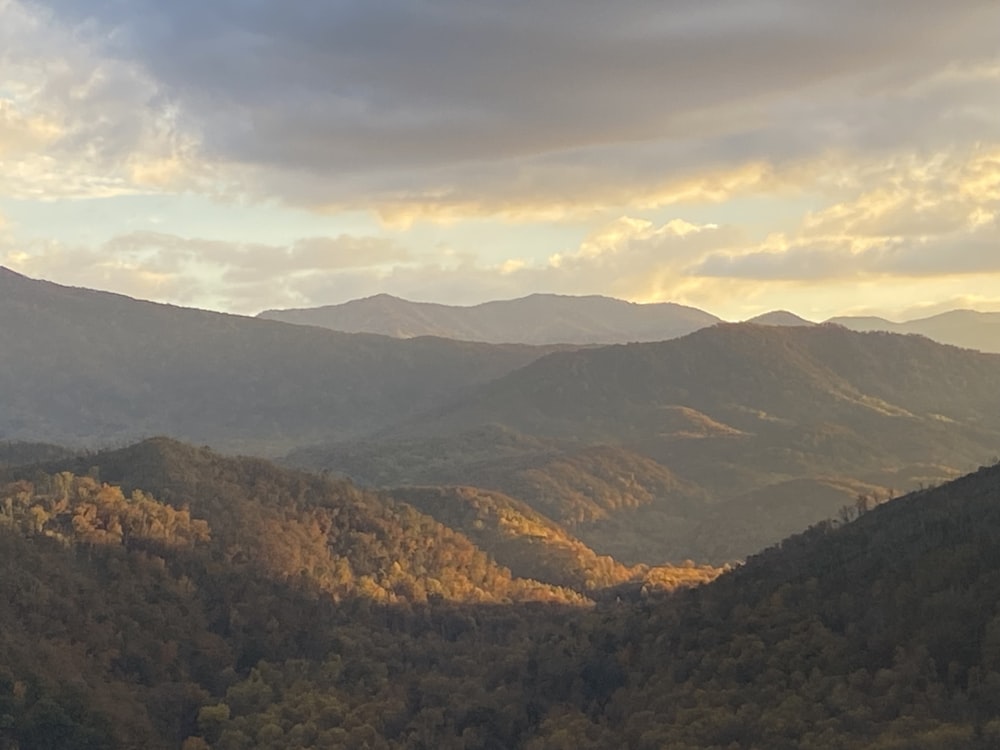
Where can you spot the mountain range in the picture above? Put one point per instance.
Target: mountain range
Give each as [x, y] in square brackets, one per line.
[536, 319]
[550, 318]
[85, 367]
[646, 452]
[493, 577]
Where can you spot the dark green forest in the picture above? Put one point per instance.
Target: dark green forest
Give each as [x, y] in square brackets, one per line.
[163, 596]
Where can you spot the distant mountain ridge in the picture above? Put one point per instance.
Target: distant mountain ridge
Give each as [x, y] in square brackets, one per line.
[81, 366]
[554, 318]
[969, 329]
[535, 319]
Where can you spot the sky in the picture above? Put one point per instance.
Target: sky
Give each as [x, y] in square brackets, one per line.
[736, 155]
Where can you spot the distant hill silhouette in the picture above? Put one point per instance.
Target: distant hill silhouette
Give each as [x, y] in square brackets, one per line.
[780, 318]
[536, 319]
[552, 318]
[83, 366]
[966, 328]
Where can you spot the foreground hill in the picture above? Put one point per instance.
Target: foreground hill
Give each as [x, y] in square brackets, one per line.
[878, 634]
[78, 366]
[537, 319]
[966, 328]
[130, 622]
[287, 523]
[131, 599]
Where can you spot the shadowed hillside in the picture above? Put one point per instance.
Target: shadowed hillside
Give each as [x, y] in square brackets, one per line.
[731, 413]
[753, 378]
[84, 366]
[966, 328]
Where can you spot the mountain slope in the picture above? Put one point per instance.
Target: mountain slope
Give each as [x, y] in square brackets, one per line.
[347, 541]
[123, 612]
[966, 328]
[741, 409]
[536, 319]
[748, 377]
[882, 634]
[78, 365]
[619, 502]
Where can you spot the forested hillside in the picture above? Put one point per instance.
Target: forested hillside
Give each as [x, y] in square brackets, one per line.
[140, 621]
[795, 421]
[708, 447]
[752, 378]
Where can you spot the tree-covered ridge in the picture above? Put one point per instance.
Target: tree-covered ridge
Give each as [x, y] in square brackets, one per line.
[591, 491]
[745, 376]
[292, 524]
[82, 510]
[533, 546]
[877, 633]
[18, 453]
[124, 614]
[881, 633]
[568, 482]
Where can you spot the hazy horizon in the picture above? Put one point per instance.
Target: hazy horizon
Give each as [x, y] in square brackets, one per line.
[916, 313]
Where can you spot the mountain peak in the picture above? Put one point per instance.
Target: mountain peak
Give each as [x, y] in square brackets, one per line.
[780, 318]
[535, 319]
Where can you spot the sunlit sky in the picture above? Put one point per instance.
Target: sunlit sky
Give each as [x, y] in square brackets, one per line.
[736, 155]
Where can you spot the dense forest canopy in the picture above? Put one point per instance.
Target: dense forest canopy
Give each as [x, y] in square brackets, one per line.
[233, 604]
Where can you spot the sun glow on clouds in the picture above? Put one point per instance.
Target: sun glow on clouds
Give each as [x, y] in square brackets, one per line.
[622, 158]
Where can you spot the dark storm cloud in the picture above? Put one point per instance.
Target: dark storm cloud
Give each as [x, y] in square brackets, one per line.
[420, 95]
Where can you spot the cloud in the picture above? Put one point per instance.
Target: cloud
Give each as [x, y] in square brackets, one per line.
[630, 254]
[224, 275]
[75, 123]
[934, 218]
[444, 108]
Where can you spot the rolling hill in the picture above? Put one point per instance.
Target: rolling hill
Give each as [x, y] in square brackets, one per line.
[79, 366]
[536, 319]
[551, 318]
